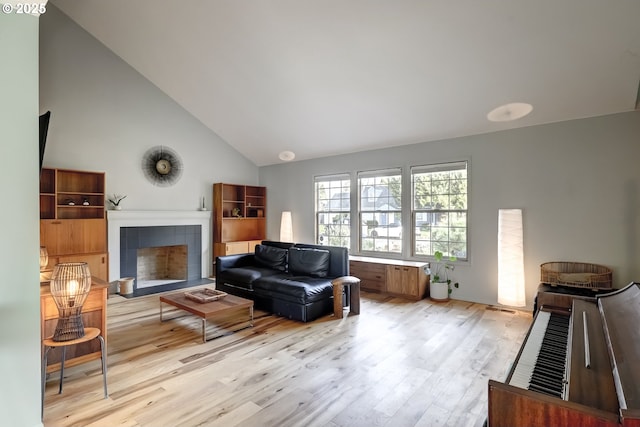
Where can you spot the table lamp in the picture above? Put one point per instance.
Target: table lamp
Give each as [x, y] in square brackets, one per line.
[70, 285]
[44, 258]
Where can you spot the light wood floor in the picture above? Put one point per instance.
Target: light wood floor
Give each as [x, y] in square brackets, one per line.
[399, 363]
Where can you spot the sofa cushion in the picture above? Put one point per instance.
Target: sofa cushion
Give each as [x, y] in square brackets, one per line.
[298, 289]
[243, 277]
[308, 262]
[271, 257]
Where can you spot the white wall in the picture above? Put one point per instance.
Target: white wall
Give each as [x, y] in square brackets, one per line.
[577, 183]
[105, 115]
[19, 246]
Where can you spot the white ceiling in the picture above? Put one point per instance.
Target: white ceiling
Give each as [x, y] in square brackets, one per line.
[324, 77]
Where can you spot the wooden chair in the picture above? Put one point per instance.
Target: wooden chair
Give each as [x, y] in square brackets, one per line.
[48, 343]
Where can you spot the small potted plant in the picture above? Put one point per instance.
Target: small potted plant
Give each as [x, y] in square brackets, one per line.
[440, 286]
[115, 200]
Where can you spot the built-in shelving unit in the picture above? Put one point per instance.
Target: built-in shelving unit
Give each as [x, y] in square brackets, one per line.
[73, 225]
[70, 194]
[239, 218]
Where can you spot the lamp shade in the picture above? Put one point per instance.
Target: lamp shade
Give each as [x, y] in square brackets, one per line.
[70, 285]
[44, 258]
[511, 289]
[286, 227]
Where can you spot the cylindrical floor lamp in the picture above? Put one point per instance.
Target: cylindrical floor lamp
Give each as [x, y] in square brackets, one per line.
[286, 227]
[511, 288]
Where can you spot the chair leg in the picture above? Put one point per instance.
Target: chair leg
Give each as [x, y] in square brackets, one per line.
[104, 365]
[44, 379]
[64, 356]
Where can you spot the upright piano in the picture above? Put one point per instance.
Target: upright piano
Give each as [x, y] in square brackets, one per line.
[578, 366]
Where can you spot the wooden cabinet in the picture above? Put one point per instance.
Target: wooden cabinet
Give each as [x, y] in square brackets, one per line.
[239, 220]
[406, 279]
[372, 275]
[231, 248]
[94, 314]
[73, 226]
[70, 236]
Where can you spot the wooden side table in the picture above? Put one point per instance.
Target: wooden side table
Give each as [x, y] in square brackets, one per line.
[339, 286]
[48, 344]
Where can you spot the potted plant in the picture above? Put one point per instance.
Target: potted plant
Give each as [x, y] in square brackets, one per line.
[440, 286]
[115, 200]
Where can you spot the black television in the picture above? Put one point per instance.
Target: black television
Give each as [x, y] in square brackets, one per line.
[44, 127]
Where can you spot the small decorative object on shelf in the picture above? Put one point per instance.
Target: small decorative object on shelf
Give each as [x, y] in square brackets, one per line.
[205, 295]
[202, 206]
[85, 201]
[70, 202]
[236, 212]
[115, 200]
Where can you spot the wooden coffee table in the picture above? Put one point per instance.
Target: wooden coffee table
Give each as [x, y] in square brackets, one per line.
[207, 310]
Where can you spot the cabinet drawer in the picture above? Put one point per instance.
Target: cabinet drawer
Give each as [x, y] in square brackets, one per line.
[372, 276]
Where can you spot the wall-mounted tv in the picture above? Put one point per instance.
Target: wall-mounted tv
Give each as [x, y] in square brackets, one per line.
[44, 127]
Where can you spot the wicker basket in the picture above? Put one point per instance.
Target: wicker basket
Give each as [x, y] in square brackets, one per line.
[576, 274]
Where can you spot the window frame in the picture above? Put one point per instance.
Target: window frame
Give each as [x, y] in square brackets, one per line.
[333, 178]
[392, 240]
[449, 211]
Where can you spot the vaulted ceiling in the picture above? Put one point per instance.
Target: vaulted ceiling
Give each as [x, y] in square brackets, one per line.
[325, 77]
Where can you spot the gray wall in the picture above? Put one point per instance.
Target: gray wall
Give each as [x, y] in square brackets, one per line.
[19, 247]
[577, 183]
[105, 115]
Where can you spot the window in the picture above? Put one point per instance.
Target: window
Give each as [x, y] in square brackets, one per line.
[333, 210]
[380, 210]
[439, 213]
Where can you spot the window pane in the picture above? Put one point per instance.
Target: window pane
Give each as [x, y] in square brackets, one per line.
[380, 202]
[333, 215]
[440, 209]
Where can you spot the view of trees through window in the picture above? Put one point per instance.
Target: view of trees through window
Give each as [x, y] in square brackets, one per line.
[437, 208]
[333, 210]
[380, 206]
[440, 209]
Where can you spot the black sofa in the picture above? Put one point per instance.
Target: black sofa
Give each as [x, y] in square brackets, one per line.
[290, 280]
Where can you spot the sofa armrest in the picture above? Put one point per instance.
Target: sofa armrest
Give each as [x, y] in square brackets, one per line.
[233, 261]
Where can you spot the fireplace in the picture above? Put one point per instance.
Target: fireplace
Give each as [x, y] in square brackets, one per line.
[161, 265]
[150, 250]
[131, 231]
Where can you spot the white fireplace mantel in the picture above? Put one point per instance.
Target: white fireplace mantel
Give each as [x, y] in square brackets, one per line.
[118, 219]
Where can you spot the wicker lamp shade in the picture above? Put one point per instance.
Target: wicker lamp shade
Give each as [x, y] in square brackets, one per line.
[70, 285]
[44, 258]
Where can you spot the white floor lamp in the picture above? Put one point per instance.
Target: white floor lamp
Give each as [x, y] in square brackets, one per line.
[286, 227]
[511, 289]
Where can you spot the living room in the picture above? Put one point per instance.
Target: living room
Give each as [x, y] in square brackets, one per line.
[575, 180]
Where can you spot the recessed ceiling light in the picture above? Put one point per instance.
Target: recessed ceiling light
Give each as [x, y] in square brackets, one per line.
[287, 155]
[509, 112]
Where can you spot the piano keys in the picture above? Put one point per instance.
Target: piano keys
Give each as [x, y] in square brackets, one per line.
[541, 365]
[578, 367]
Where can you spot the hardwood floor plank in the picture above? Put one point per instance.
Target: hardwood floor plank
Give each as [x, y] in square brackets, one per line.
[399, 363]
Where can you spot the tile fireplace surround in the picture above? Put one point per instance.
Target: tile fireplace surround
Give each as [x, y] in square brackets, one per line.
[119, 219]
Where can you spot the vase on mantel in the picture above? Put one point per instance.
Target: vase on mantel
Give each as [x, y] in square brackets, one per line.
[117, 208]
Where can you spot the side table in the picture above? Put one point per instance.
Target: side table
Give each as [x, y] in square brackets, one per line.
[340, 285]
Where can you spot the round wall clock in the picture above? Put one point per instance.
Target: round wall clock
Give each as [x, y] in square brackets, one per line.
[162, 166]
